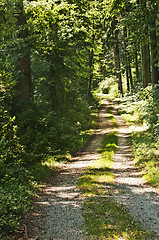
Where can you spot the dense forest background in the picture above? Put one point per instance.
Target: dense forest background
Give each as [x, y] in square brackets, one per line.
[54, 56]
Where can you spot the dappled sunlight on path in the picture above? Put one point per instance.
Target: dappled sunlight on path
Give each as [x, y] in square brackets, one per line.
[58, 213]
[130, 188]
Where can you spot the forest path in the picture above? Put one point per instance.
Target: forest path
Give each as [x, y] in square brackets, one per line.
[130, 188]
[58, 214]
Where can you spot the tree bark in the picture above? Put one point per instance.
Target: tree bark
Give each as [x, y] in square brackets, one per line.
[130, 74]
[91, 55]
[145, 55]
[126, 58]
[117, 63]
[23, 66]
[137, 66]
[146, 73]
[154, 52]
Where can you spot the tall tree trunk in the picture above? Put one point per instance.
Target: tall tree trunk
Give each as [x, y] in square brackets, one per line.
[52, 87]
[127, 63]
[146, 73]
[154, 52]
[130, 74]
[145, 55]
[117, 63]
[91, 56]
[126, 58]
[23, 66]
[137, 66]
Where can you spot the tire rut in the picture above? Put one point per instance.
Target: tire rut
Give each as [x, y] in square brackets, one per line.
[131, 189]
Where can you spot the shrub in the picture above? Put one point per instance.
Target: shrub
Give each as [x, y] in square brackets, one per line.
[16, 191]
[150, 109]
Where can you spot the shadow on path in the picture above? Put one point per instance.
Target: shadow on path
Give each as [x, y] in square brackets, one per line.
[58, 215]
[130, 189]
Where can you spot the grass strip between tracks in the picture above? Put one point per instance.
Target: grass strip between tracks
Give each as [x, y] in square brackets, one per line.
[105, 218]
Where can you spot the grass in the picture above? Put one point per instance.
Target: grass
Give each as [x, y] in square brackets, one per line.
[105, 218]
[146, 155]
[111, 117]
[100, 171]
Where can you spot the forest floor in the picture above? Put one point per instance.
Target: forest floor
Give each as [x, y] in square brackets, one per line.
[58, 208]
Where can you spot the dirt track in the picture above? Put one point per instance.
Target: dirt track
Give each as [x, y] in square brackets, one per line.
[58, 215]
[130, 188]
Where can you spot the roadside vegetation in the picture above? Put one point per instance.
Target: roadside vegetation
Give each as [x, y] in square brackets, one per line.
[141, 112]
[30, 153]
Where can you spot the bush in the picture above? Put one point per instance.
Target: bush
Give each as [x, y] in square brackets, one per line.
[143, 107]
[47, 133]
[150, 110]
[36, 133]
[16, 191]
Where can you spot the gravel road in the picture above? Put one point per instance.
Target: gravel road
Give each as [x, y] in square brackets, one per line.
[131, 189]
[58, 214]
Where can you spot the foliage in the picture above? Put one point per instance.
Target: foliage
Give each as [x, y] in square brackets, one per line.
[16, 192]
[142, 107]
[109, 87]
[142, 115]
[146, 156]
[10, 147]
[150, 110]
[16, 187]
[46, 133]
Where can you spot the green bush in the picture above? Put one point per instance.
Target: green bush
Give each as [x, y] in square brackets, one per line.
[36, 133]
[16, 192]
[150, 110]
[143, 107]
[138, 109]
[47, 133]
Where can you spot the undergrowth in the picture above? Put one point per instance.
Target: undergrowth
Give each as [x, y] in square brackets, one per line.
[146, 155]
[16, 194]
[32, 146]
[140, 113]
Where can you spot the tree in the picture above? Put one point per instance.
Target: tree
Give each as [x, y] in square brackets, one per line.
[154, 42]
[117, 62]
[23, 65]
[126, 58]
[145, 51]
